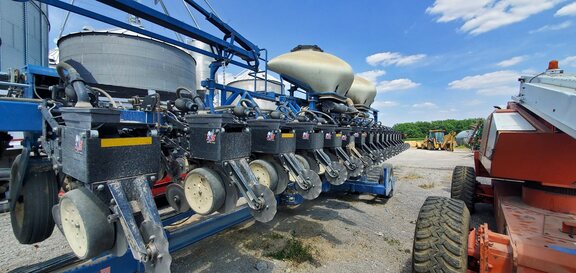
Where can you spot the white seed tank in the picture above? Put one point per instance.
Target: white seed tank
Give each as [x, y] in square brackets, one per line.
[314, 70]
[23, 34]
[362, 91]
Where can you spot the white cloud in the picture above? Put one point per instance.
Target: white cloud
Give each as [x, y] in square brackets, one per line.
[569, 61]
[425, 105]
[560, 26]
[394, 58]
[480, 16]
[384, 104]
[511, 62]
[568, 10]
[497, 83]
[394, 85]
[372, 75]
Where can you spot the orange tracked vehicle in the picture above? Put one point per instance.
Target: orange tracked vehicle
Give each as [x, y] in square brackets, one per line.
[528, 155]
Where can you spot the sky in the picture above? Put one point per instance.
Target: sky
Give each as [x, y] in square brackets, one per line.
[430, 59]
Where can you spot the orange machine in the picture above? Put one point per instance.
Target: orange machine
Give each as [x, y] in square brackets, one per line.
[528, 163]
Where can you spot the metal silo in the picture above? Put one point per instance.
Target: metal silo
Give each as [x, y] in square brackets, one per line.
[245, 80]
[119, 58]
[23, 34]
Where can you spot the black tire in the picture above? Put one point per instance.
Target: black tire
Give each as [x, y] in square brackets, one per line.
[441, 237]
[464, 185]
[31, 218]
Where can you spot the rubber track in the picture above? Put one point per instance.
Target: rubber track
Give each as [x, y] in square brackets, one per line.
[441, 236]
[464, 185]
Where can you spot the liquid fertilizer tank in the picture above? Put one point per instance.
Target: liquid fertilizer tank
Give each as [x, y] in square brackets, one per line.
[362, 92]
[124, 59]
[314, 70]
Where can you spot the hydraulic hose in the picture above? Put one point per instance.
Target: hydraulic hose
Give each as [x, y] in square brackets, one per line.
[194, 95]
[78, 85]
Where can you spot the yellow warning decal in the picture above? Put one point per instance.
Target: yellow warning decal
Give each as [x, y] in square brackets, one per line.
[338, 135]
[125, 141]
[287, 135]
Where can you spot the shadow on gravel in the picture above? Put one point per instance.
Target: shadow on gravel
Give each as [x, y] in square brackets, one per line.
[364, 198]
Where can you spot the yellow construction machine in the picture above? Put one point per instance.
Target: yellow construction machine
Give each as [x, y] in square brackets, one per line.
[438, 140]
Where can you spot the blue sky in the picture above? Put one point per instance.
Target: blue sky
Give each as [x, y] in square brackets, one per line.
[430, 59]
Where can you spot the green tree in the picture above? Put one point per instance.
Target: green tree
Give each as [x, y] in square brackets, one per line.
[419, 129]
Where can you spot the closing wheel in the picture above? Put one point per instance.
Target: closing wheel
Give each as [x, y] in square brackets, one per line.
[268, 210]
[282, 177]
[265, 173]
[341, 174]
[463, 185]
[204, 191]
[232, 197]
[312, 163]
[315, 186]
[32, 214]
[304, 164]
[359, 167]
[85, 224]
[176, 198]
[441, 236]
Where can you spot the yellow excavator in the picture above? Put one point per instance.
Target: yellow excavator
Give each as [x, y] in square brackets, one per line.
[438, 140]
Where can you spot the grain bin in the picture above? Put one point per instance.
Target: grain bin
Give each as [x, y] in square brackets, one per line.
[245, 80]
[23, 34]
[124, 59]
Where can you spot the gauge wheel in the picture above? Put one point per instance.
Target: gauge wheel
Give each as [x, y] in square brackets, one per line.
[204, 191]
[265, 173]
[85, 223]
[31, 217]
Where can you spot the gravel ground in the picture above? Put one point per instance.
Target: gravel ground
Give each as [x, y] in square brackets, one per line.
[344, 232]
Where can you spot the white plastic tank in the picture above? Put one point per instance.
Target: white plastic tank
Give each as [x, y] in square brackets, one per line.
[245, 80]
[314, 70]
[362, 91]
[24, 30]
[126, 59]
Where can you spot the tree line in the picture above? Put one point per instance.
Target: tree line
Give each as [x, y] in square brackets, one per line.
[420, 129]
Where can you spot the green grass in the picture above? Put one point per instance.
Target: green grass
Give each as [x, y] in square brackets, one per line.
[414, 139]
[294, 251]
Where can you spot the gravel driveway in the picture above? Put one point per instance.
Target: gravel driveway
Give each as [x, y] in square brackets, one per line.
[342, 232]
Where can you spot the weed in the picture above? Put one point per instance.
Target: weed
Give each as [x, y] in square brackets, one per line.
[294, 251]
[427, 185]
[412, 176]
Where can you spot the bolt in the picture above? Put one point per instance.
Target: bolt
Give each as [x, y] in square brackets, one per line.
[100, 187]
